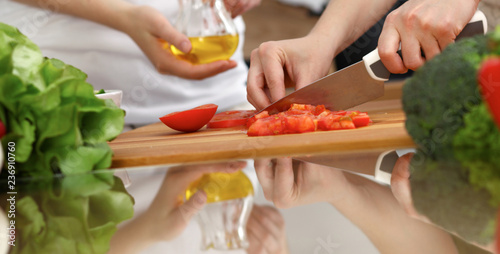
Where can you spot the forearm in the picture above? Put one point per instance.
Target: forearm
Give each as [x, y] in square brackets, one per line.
[373, 208]
[132, 237]
[344, 21]
[106, 12]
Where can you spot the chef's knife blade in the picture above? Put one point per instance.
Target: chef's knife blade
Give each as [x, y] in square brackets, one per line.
[358, 83]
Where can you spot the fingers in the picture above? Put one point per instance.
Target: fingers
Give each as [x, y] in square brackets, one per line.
[273, 60]
[400, 184]
[178, 179]
[256, 83]
[238, 7]
[162, 28]
[186, 211]
[387, 49]
[277, 181]
[284, 183]
[266, 228]
[264, 168]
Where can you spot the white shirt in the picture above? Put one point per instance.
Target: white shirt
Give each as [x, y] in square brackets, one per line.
[112, 60]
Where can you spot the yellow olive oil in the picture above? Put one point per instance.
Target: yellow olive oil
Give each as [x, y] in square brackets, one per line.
[221, 186]
[209, 49]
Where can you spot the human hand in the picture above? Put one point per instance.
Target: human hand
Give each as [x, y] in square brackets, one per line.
[288, 183]
[152, 32]
[238, 7]
[266, 231]
[275, 63]
[426, 26]
[168, 214]
[401, 189]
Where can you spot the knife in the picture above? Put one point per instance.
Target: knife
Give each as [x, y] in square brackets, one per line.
[358, 83]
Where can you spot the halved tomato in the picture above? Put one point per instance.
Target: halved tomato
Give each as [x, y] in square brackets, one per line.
[190, 120]
[230, 118]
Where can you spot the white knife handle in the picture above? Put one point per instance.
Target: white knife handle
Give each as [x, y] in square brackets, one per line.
[376, 69]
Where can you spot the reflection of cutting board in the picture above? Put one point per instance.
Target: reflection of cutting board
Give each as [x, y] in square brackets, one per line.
[157, 144]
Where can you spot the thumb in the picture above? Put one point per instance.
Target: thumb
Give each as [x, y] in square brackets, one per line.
[191, 207]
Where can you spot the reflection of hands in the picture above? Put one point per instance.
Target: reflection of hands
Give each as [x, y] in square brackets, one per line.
[238, 7]
[266, 231]
[289, 184]
[151, 31]
[168, 216]
[277, 62]
[425, 25]
[369, 205]
[401, 189]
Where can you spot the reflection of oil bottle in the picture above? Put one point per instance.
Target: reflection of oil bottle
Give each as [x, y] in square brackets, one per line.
[223, 220]
[210, 29]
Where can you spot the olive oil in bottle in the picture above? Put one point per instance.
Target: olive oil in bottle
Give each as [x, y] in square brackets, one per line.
[209, 48]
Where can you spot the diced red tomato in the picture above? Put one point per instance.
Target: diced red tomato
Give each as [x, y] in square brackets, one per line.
[190, 120]
[346, 123]
[254, 118]
[301, 118]
[299, 124]
[329, 122]
[340, 112]
[489, 80]
[361, 120]
[267, 126]
[231, 118]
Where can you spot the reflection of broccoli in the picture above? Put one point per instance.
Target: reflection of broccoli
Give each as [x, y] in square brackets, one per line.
[441, 192]
[450, 123]
[477, 146]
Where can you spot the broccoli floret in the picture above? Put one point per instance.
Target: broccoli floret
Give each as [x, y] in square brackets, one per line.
[477, 147]
[440, 92]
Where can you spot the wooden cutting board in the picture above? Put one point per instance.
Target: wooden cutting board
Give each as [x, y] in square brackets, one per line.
[156, 144]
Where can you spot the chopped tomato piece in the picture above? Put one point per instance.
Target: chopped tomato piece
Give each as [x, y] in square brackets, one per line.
[254, 118]
[361, 120]
[230, 118]
[346, 123]
[267, 126]
[301, 118]
[299, 124]
[329, 122]
[190, 120]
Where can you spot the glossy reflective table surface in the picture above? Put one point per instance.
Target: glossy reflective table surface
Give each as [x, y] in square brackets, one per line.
[332, 201]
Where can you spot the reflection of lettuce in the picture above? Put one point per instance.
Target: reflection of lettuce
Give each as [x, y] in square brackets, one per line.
[51, 112]
[76, 214]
